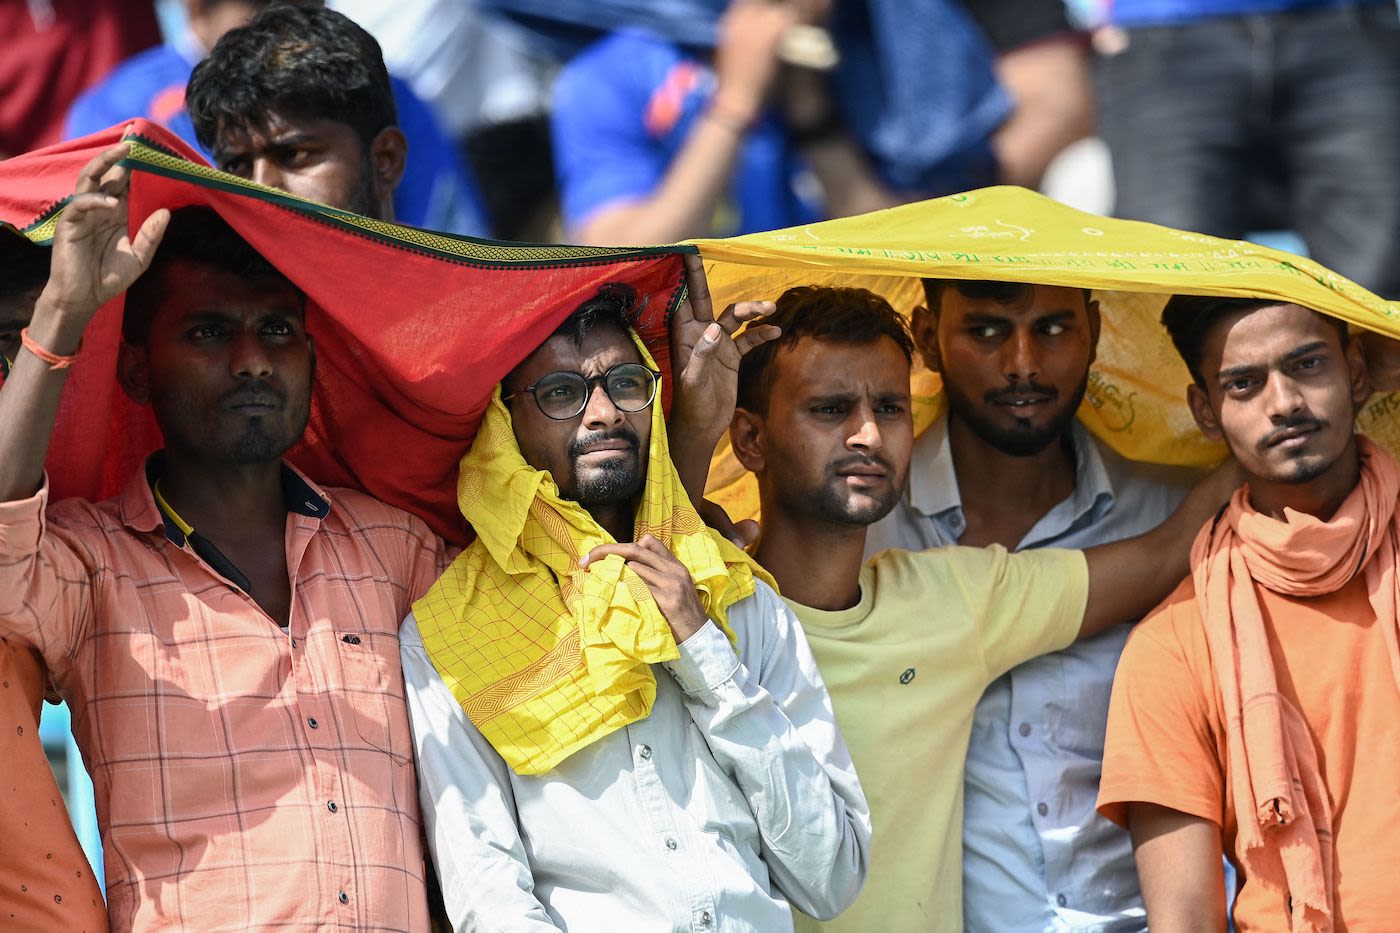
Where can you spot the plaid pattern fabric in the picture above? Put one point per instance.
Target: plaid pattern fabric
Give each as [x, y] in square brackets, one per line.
[544, 656]
[246, 777]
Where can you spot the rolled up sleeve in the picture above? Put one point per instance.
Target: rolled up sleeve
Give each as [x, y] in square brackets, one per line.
[45, 581]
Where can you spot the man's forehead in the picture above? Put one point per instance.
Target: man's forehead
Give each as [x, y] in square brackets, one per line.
[830, 367]
[273, 124]
[1261, 335]
[602, 347]
[1032, 300]
[189, 286]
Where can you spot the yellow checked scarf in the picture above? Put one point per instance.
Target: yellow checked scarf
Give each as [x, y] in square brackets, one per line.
[546, 657]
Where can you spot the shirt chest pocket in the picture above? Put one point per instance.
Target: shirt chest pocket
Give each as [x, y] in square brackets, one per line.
[372, 687]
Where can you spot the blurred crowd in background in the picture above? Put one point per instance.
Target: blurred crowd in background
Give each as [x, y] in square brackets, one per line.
[652, 121]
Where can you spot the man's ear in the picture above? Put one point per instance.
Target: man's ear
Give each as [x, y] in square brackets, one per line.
[1199, 403]
[388, 154]
[1095, 325]
[746, 437]
[134, 373]
[1361, 387]
[924, 326]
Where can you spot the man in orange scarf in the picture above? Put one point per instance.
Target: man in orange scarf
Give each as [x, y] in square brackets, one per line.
[1256, 712]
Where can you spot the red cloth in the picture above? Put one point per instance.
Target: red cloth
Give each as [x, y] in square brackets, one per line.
[412, 330]
[52, 51]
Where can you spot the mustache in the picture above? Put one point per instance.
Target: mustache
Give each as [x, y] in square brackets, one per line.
[260, 393]
[1006, 393]
[1302, 421]
[861, 460]
[576, 447]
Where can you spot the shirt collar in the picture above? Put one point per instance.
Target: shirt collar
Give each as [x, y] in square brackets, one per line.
[140, 513]
[933, 484]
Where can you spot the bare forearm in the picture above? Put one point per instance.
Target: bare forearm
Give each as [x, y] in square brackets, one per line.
[1181, 870]
[682, 206]
[691, 455]
[29, 403]
[1128, 578]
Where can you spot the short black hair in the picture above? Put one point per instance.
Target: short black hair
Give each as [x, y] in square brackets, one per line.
[305, 60]
[829, 313]
[979, 289]
[615, 305]
[1189, 319]
[195, 234]
[24, 266]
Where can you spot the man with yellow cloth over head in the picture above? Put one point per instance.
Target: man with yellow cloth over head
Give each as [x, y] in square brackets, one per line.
[619, 725]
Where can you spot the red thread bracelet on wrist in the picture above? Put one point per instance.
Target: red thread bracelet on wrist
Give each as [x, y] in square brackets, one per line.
[56, 361]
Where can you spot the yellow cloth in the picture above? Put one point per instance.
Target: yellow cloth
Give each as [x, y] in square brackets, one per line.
[544, 656]
[1136, 400]
[905, 668]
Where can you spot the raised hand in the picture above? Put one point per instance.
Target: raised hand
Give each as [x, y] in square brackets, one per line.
[705, 354]
[705, 357]
[94, 259]
[666, 577]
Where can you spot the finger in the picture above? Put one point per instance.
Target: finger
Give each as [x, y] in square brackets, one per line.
[747, 532]
[740, 313]
[624, 551]
[148, 238]
[116, 181]
[699, 288]
[756, 337]
[705, 348]
[90, 178]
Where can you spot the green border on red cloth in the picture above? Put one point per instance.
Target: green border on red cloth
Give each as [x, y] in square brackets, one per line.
[413, 328]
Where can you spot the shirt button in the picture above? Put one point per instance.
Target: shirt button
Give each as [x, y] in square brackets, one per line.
[294, 642]
[330, 805]
[1024, 728]
[706, 919]
[1061, 900]
[343, 897]
[671, 844]
[644, 753]
[1042, 809]
[311, 721]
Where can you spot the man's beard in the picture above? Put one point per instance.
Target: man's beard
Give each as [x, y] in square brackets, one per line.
[1305, 468]
[1022, 439]
[362, 198]
[826, 503]
[609, 483]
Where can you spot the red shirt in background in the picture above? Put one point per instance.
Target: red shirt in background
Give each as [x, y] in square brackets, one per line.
[53, 50]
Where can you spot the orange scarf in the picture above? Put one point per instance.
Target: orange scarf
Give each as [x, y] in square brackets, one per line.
[1281, 803]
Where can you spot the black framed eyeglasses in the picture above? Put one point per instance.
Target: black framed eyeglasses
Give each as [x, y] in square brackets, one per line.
[564, 395]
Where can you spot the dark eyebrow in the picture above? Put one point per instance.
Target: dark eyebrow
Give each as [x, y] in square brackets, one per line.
[1237, 371]
[1293, 355]
[1306, 349]
[1057, 316]
[985, 317]
[831, 399]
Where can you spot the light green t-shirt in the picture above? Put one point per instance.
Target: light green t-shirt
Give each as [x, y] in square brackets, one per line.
[905, 668]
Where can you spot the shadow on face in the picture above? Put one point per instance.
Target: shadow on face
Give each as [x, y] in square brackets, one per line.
[225, 363]
[597, 457]
[1014, 359]
[834, 442]
[1281, 386]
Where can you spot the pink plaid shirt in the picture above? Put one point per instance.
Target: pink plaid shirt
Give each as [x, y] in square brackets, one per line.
[246, 777]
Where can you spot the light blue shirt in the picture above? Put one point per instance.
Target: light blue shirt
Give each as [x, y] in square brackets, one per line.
[1036, 854]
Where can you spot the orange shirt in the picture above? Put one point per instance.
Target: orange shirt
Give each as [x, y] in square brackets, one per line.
[1166, 738]
[45, 880]
[246, 777]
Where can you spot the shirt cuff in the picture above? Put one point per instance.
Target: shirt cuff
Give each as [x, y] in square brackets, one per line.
[22, 522]
[707, 662]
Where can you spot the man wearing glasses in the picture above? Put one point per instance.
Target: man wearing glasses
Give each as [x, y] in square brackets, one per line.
[618, 723]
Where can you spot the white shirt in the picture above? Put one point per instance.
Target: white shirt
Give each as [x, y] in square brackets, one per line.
[1036, 854]
[733, 798]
